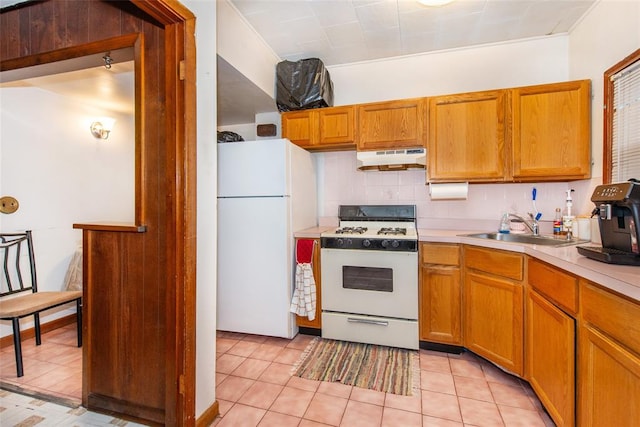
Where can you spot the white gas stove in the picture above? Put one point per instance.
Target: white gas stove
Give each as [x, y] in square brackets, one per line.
[370, 276]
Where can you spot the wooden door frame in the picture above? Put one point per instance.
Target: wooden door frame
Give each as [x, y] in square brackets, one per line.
[180, 105]
[180, 176]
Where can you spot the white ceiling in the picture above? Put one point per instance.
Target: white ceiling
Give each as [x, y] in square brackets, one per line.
[346, 31]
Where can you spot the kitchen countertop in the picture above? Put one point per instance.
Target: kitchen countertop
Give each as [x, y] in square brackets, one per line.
[622, 279]
[311, 233]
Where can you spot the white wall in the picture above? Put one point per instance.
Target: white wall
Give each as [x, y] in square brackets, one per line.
[248, 130]
[61, 175]
[206, 210]
[533, 61]
[241, 46]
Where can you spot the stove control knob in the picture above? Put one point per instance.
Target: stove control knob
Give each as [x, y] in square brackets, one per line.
[339, 242]
[395, 243]
[366, 243]
[385, 243]
[349, 242]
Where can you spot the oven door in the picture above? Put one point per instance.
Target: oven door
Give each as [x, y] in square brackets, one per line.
[376, 283]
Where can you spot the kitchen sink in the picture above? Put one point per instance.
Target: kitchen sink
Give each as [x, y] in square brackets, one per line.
[543, 239]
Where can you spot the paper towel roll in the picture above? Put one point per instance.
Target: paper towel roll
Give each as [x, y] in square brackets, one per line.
[449, 191]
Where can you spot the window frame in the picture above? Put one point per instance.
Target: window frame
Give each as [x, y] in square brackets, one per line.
[607, 160]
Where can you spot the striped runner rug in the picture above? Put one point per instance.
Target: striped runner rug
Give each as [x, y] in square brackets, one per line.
[375, 367]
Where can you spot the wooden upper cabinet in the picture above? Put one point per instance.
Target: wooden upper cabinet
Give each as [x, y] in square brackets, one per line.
[467, 137]
[337, 126]
[300, 127]
[321, 129]
[551, 132]
[392, 124]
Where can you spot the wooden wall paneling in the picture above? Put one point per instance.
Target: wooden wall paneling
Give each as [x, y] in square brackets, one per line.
[43, 28]
[103, 347]
[8, 30]
[77, 23]
[60, 19]
[122, 328]
[24, 41]
[104, 19]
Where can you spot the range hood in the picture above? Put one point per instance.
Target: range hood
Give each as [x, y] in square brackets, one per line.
[392, 159]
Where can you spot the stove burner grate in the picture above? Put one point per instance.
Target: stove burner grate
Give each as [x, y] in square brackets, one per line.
[351, 230]
[395, 231]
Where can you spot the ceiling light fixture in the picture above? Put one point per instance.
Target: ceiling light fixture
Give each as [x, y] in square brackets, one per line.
[433, 3]
[101, 129]
[108, 60]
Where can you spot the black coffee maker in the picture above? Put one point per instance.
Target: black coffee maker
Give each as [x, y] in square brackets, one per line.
[618, 210]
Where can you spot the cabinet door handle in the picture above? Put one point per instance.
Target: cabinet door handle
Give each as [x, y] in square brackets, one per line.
[368, 321]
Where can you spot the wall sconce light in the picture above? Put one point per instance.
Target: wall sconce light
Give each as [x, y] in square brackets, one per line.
[102, 128]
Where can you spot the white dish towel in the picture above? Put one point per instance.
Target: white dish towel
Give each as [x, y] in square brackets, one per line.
[303, 302]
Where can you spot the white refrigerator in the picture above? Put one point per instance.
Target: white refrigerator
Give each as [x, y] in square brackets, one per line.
[266, 192]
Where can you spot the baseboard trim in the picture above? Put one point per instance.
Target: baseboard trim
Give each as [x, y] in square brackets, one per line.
[310, 331]
[446, 348]
[30, 333]
[209, 415]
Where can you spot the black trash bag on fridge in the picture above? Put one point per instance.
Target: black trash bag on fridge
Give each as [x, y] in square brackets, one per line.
[303, 85]
[228, 136]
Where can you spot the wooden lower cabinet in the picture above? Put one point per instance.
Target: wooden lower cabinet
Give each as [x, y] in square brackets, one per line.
[316, 323]
[550, 355]
[494, 306]
[609, 378]
[608, 358]
[440, 301]
[551, 309]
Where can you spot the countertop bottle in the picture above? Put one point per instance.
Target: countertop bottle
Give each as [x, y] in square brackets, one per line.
[567, 218]
[504, 224]
[557, 222]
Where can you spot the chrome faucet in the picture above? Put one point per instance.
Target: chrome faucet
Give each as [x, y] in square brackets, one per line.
[531, 225]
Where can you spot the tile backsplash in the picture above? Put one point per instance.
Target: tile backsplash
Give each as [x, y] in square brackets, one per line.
[340, 182]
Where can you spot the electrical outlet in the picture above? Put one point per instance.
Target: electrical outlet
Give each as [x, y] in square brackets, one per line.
[8, 204]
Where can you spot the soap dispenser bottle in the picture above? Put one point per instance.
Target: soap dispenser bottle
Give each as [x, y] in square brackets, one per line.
[567, 218]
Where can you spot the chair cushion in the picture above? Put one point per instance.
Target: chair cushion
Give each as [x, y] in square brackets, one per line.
[33, 303]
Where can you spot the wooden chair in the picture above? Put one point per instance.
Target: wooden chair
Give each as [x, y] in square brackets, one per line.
[32, 302]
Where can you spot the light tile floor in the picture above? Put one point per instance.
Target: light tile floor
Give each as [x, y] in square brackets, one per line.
[53, 368]
[52, 382]
[255, 388]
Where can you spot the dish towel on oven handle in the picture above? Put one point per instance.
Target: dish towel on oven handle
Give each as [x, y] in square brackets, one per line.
[304, 294]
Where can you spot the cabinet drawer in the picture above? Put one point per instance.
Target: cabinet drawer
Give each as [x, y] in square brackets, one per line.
[500, 263]
[553, 283]
[371, 330]
[610, 313]
[441, 254]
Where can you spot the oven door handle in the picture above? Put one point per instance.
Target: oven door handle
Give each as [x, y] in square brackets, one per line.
[367, 321]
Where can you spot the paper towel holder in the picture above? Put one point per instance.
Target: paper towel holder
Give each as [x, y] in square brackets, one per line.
[449, 191]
